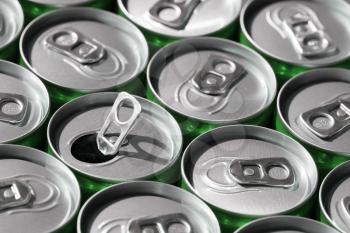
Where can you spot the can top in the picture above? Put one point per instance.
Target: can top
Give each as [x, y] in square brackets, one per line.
[315, 107]
[307, 33]
[335, 197]
[84, 49]
[212, 80]
[165, 208]
[286, 224]
[11, 21]
[93, 138]
[24, 102]
[184, 18]
[233, 168]
[61, 3]
[35, 187]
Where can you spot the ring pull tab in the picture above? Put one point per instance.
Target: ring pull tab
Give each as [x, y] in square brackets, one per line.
[106, 146]
[166, 223]
[345, 206]
[73, 44]
[308, 36]
[270, 172]
[329, 120]
[15, 194]
[218, 75]
[13, 108]
[2, 25]
[182, 8]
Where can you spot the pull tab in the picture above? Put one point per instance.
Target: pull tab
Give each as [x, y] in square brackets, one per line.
[13, 108]
[218, 75]
[308, 36]
[271, 172]
[15, 194]
[183, 10]
[345, 205]
[71, 43]
[329, 120]
[2, 25]
[106, 146]
[167, 223]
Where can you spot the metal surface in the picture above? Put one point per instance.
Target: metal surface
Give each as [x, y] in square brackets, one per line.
[61, 3]
[165, 208]
[207, 170]
[37, 192]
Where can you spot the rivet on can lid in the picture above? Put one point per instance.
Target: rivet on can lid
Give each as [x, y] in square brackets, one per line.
[107, 147]
[15, 194]
[183, 10]
[13, 108]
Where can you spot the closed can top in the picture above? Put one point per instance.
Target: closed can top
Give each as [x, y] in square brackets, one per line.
[315, 107]
[38, 194]
[24, 102]
[146, 207]
[335, 197]
[286, 224]
[116, 137]
[249, 171]
[84, 49]
[307, 33]
[212, 80]
[181, 18]
[62, 3]
[11, 21]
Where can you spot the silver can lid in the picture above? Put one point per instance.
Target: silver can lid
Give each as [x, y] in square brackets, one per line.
[335, 197]
[84, 49]
[212, 80]
[315, 107]
[11, 21]
[286, 224]
[181, 18]
[307, 33]
[146, 207]
[233, 168]
[116, 137]
[24, 102]
[37, 192]
[61, 3]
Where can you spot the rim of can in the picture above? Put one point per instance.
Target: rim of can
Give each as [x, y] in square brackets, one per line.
[244, 10]
[43, 87]
[121, 6]
[151, 187]
[213, 39]
[85, 10]
[295, 79]
[58, 5]
[20, 29]
[286, 219]
[193, 190]
[176, 159]
[332, 174]
[68, 172]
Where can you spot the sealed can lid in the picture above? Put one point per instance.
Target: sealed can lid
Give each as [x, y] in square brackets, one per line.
[24, 102]
[84, 49]
[11, 21]
[335, 197]
[286, 224]
[212, 80]
[181, 18]
[61, 3]
[37, 192]
[234, 168]
[146, 207]
[308, 33]
[116, 137]
[315, 107]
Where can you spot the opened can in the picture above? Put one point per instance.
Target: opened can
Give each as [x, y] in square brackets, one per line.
[247, 172]
[207, 82]
[108, 138]
[164, 21]
[38, 194]
[82, 50]
[314, 107]
[24, 106]
[298, 35]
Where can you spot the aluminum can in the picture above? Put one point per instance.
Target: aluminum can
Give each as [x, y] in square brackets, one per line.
[248, 172]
